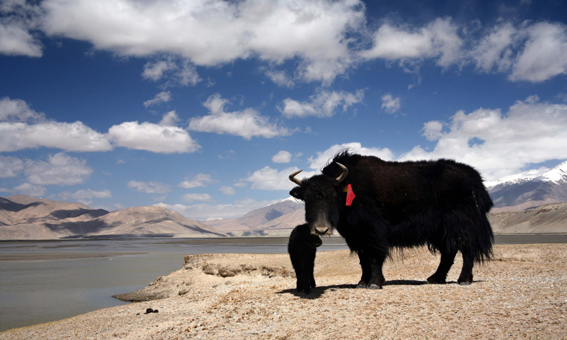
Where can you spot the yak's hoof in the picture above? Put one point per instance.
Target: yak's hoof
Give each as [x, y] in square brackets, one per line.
[374, 286]
[434, 280]
[465, 283]
[361, 284]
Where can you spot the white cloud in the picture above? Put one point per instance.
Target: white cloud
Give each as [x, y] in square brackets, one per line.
[500, 144]
[282, 157]
[152, 137]
[23, 128]
[280, 78]
[391, 104]
[17, 110]
[85, 196]
[438, 39]
[156, 70]
[197, 181]
[323, 158]
[227, 190]
[247, 123]
[169, 119]
[162, 97]
[494, 50]
[60, 169]
[544, 55]
[196, 197]
[322, 104]
[17, 20]
[268, 178]
[30, 190]
[66, 136]
[149, 187]
[214, 32]
[204, 211]
[10, 166]
[184, 74]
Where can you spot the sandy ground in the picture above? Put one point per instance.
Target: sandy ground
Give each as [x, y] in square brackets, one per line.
[522, 294]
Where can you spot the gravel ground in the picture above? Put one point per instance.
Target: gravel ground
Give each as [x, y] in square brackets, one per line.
[521, 294]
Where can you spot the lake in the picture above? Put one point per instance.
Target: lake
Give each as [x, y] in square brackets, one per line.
[45, 281]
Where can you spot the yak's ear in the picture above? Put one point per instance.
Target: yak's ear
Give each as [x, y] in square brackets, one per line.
[297, 192]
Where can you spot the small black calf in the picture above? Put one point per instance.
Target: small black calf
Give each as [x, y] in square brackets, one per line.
[302, 247]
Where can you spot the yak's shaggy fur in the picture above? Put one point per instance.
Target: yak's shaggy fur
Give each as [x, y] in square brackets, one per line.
[302, 247]
[441, 204]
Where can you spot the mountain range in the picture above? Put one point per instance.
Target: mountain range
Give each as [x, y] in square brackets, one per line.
[24, 217]
[530, 202]
[529, 189]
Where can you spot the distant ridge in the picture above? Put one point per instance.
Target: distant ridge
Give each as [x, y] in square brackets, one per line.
[277, 219]
[24, 217]
[529, 189]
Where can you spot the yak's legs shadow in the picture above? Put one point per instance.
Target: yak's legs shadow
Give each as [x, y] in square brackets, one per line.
[318, 291]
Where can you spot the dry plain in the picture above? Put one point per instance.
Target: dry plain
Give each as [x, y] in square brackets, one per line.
[521, 294]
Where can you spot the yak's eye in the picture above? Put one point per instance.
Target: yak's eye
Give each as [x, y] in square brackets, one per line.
[297, 192]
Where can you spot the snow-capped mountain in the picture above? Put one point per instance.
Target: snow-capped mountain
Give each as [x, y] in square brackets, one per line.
[529, 189]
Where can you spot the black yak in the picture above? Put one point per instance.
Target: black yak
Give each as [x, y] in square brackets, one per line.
[377, 205]
[302, 247]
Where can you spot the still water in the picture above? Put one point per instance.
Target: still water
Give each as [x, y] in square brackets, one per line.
[51, 280]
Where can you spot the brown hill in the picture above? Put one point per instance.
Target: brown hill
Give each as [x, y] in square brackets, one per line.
[550, 218]
[24, 217]
[277, 219]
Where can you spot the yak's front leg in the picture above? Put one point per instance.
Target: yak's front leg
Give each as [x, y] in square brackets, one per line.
[377, 279]
[366, 269]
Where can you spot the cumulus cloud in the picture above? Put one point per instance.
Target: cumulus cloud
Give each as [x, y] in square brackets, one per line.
[322, 158]
[204, 211]
[227, 190]
[59, 169]
[543, 56]
[65, 136]
[282, 157]
[30, 190]
[439, 39]
[391, 104]
[23, 128]
[17, 21]
[247, 123]
[162, 97]
[197, 197]
[149, 187]
[322, 104]
[197, 181]
[177, 73]
[496, 143]
[10, 166]
[268, 178]
[17, 110]
[533, 52]
[85, 196]
[152, 137]
[169, 119]
[215, 32]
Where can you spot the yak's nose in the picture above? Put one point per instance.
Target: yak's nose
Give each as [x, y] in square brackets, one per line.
[321, 230]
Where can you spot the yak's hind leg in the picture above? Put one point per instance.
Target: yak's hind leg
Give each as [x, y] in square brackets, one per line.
[466, 277]
[447, 260]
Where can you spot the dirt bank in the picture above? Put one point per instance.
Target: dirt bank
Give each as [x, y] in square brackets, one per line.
[522, 294]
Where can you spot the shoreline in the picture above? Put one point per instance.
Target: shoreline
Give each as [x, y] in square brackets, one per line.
[522, 293]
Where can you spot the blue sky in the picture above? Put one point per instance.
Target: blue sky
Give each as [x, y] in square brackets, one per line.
[206, 107]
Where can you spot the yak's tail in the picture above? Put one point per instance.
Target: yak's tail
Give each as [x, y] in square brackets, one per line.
[482, 238]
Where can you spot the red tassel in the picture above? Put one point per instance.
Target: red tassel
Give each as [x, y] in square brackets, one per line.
[349, 196]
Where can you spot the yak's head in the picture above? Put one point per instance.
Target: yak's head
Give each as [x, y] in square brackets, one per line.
[321, 195]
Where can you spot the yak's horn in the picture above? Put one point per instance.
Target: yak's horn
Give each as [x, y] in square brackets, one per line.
[293, 179]
[344, 174]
